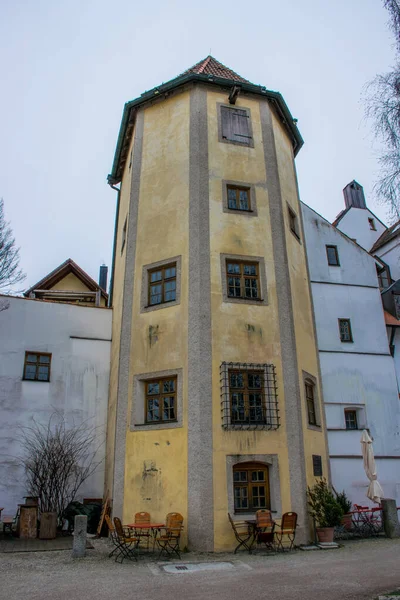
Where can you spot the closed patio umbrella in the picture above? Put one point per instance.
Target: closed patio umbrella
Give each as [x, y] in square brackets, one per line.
[375, 492]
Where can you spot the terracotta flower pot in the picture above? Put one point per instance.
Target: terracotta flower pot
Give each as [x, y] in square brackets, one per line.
[325, 534]
[347, 522]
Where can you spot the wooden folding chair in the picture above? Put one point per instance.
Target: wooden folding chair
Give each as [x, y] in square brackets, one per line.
[168, 541]
[113, 534]
[127, 543]
[286, 531]
[243, 533]
[265, 526]
[143, 517]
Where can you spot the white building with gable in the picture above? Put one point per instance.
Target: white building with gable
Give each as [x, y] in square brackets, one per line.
[357, 369]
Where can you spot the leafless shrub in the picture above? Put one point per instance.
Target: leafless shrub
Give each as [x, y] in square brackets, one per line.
[382, 97]
[10, 273]
[57, 460]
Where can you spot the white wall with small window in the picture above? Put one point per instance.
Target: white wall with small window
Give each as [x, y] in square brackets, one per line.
[358, 374]
[54, 359]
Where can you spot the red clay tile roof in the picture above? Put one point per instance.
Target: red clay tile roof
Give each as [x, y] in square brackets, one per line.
[390, 320]
[386, 236]
[211, 66]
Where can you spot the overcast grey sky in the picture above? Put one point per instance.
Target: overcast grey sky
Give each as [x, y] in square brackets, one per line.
[68, 67]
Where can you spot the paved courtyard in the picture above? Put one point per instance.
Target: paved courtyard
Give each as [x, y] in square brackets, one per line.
[360, 569]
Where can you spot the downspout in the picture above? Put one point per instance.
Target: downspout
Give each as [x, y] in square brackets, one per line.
[110, 298]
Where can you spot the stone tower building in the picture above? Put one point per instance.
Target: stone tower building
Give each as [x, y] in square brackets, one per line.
[215, 397]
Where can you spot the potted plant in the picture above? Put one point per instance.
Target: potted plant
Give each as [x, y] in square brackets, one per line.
[325, 510]
[345, 503]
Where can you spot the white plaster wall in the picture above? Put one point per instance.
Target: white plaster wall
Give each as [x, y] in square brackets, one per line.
[78, 387]
[356, 266]
[359, 375]
[355, 225]
[390, 254]
[349, 475]
[362, 306]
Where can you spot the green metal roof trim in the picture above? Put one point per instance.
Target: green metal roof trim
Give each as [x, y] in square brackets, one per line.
[275, 97]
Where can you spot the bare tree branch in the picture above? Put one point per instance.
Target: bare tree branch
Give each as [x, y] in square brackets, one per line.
[57, 460]
[382, 96]
[10, 273]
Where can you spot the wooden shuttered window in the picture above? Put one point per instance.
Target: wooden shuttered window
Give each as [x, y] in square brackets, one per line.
[235, 124]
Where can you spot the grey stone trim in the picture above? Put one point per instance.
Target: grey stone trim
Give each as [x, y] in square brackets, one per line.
[253, 203]
[263, 279]
[144, 307]
[138, 401]
[271, 460]
[291, 384]
[317, 404]
[200, 434]
[126, 324]
[234, 142]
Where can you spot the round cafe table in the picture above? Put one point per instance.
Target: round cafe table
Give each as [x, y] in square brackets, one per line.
[153, 527]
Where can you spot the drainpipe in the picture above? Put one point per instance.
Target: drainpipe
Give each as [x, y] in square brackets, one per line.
[110, 298]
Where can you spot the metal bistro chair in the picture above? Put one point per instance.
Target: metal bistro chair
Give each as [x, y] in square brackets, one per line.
[243, 533]
[127, 543]
[168, 541]
[143, 517]
[265, 526]
[286, 531]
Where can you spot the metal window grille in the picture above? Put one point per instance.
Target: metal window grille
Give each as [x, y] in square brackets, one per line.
[249, 398]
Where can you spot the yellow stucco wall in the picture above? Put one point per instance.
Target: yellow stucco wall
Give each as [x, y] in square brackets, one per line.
[156, 460]
[231, 338]
[118, 289]
[72, 283]
[307, 353]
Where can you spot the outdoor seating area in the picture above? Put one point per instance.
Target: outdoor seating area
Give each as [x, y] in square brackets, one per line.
[143, 536]
[264, 532]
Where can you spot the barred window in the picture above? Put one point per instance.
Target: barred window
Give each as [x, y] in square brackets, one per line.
[248, 396]
[351, 419]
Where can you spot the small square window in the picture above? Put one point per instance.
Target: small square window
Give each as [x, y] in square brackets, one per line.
[235, 126]
[162, 285]
[243, 280]
[317, 465]
[333, 256]
[371, 223]
[294, 223]
[345, 330]
[37, 366]
[238, 198]
[351, 419]
[160, 400]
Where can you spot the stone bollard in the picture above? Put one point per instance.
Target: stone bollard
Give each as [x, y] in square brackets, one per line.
[391, 524]
[80, 533]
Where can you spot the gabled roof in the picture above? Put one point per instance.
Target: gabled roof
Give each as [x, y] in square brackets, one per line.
[340, 216]
[67, 267]
[386, 237]
[212, 66]
[209, 71]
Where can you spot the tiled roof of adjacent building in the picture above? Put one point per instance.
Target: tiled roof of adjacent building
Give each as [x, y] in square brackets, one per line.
[386, 236]
[212, 66]
[340, 216]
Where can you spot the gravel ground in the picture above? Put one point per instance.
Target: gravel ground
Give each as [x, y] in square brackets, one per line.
[361, 569]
